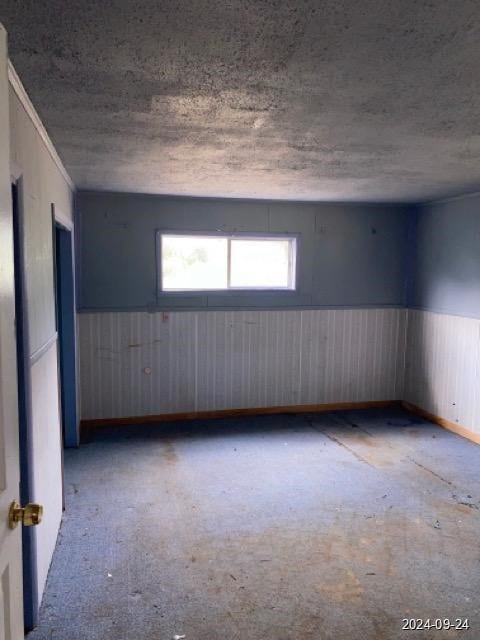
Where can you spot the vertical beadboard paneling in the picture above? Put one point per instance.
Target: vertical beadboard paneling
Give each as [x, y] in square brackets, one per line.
[198, 361]
[248, 359]
[136, 364]
[352, 355]
[443, 365]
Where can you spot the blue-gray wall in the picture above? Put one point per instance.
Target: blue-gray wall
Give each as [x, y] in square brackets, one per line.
[444, 265]
[349, 255]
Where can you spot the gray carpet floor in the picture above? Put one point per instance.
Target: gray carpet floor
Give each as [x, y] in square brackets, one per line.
[324, 526]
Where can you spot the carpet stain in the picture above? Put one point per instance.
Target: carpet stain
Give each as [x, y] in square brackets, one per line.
[169, 453]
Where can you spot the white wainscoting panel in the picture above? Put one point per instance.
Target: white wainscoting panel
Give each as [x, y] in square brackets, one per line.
[443, 366]
[141, 363]
[248, 359]
[352, 355]
[47, 445]
[137, 364]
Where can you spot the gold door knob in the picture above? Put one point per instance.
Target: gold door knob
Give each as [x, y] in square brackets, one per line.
[29, 515]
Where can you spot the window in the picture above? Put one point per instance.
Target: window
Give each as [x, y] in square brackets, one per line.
[221, 262]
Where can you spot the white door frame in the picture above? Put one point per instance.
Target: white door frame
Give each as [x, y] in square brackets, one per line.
[11, 589]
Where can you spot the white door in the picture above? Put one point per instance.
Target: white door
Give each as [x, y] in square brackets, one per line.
[11, 595]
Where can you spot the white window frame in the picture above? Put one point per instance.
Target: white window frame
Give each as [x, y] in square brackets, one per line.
[292, 266]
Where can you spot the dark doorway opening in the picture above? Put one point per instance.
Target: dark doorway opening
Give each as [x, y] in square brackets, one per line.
[65, 317]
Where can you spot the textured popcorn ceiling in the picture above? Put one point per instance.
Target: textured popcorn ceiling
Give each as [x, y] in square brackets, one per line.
[352, 100]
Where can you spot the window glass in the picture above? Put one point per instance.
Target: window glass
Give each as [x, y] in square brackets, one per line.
[260, 263]
[205, 263]
[194, 262]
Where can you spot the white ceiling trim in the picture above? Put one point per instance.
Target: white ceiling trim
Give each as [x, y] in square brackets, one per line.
[35, 118]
